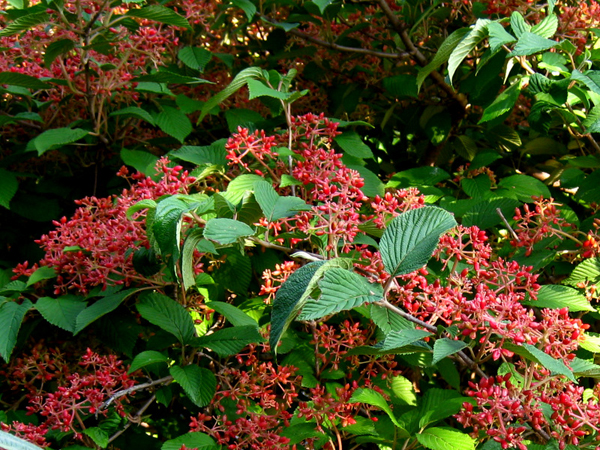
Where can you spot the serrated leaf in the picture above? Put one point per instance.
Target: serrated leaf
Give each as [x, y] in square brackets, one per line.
[196, 440]
[401, 86]
[209, 154]
[466, 45]
[10, 442]
[591, 342]
[240, 185]
[498, 36]
[411, 238]
[100, 308]
[62, 311]
[174, 123]
[247, 6]
[504, 103]
[588, 270]
[188, 277]
[8, 187]
[98, 435]
[56, 49]
[584, 368]
[341, 290]
[234, 315]
[134, 111]
[353, 145]
[547, 27]
[374, 398]
[436, 438]
[442, 54]
[160, 14]
[437, 404]
[476, 187]
[273, 205]
[586, 79]
[56, 138]
[372, 184]
[194, 57]
[197, 382]
[518, 24]
[293, 294]
[146, 358]
[404, 390]
[446, 347]
[387, 320]
[139, 206]
[226, 231]
[529, 44]
[524, 187]
[238, 82]
[536, 355]
[22, 80]
[42, 273]
[229, 341]
[167, 314]
[141, 161]
[556, 296]
[397, 339]
[11, 317]
[484, 214]
[417, 177]
[24, 23]
[259, 89]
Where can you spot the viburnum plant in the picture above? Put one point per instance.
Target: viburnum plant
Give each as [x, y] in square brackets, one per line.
[254, 303]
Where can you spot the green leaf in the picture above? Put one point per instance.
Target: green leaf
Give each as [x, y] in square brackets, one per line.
[226, 231]
[411, 238]
[341, 290]
[62, 311]
[524, 187]
[240, 80]
[198, 383]
[442, 54]
[235, 315]
[518, 24]
[145, 359]
[247, 6]
[504, 103]
[437, 438]
[373, 185]
[484, 214]
[417, 177]
[401, 86]
[167, 314]
[547, 27]
[42, 273]
[294, 293]
[498, 36]
[322, 4]
[387, 320]
[98, 435]
[530, 43]
[374, 398]
[229, 341]
[209, 154]
[134, 111]
[404, 390]
[445, 347]
[590, 82]
[240, 185]
[174, 123]
[24, 23]
[56, 49]
[141, 161]
[10, 442]
[476, 187]
[588, 270]
[20, 79]
[273, 205]
[160, 14]
[8, 187]
[197, 440]
[11, 316]
[395, 340]
[477, 34]
[188, 277]
[56, 138]
[167, 77]
[353, 145]
[139, 206]
[194, 57]
[556, 296]
[534, 354]
[100, 308]
[259, 89]
[437, 404]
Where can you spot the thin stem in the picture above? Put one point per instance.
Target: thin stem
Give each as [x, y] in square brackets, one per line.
[135, 418]
[138, 387]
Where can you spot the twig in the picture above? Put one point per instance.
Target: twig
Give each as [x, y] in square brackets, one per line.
[514, 234]
[134, 418]
[138, 387]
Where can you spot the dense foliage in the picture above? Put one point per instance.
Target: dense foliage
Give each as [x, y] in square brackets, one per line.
[323, 224]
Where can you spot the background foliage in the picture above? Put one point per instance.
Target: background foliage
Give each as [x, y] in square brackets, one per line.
[320, 224]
